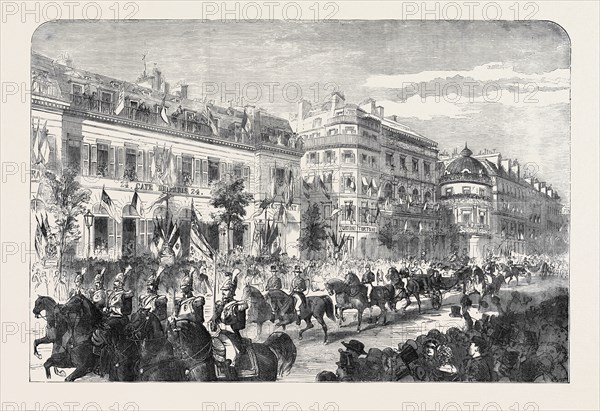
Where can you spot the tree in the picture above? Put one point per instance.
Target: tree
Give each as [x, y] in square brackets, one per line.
[388, 236]
[231, 200]
[313, 231]
[67, 200]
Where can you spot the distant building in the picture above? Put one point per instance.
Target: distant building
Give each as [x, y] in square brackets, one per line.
[497, 207]
[377, 172]
[123, 137]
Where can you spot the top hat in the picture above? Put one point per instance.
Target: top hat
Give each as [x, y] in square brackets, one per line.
[455, 311]
[297, 269]
[355, 346]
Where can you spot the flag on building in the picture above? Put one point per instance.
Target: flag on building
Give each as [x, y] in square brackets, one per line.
[41, 236]
[378, 212]
[324, 188]
[120, 100]
[136, 202]
[283, 214]
[158, 240]
[335, 212]
[44, 145]
[405, 225]
[35, 144]
[210, 119]
[109, 206]
[160, 200]
[305, 188]
[289, 192]
[163, 110]
[420, 227]
[425, 206]
[246, 124]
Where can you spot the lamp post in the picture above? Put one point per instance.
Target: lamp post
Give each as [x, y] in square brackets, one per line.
[88, 218]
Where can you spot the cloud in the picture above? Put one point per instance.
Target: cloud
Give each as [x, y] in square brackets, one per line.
[426, 108]
[489, 72]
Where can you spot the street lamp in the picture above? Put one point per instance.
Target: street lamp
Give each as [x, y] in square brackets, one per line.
[88, 218]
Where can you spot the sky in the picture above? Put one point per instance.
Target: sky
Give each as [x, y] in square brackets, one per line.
[493, 84]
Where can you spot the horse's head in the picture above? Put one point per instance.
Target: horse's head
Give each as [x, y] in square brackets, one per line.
[42, 303]
[144, 325]
[331, 286]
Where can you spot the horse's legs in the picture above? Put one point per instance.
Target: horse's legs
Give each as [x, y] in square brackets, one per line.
[418, 301]
[59, 372]
[341, 317]
[309, 325]
[407, 298]
[47, 365]
[44, 340]
[78, 373]
[321, 321]
[360, 314]
[371, 315]
[384, 312]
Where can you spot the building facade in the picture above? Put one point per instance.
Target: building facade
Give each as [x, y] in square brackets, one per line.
[368, 173]
[498, 207]
[122, 137]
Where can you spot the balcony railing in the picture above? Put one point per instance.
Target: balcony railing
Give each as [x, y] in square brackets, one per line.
[351, 140]
[344, 119]
[474, 228]
[459, 196]
[178, 123]
[473, 178]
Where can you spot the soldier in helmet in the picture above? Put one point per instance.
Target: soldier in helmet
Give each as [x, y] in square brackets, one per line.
[274, 282]
[151, 301]
[78, 289]
[298, 289]
[189, 307]
[367, 279]
[230, 312]
[98, 293]
[119, 303]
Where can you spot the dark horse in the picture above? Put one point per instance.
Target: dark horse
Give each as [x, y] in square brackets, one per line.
[259, 310]
[193, 345]
[513, 272]
[156, 358]
[73, 324]
[382, 295]
[404, 293]
[346, 299]
[282, 304]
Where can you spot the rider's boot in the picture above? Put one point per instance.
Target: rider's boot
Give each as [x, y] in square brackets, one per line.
[298, 319]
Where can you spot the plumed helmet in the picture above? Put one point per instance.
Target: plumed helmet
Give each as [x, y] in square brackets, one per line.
[120, 277]
[187, 281]
[273, 268]
[99, 278]
[152, 282]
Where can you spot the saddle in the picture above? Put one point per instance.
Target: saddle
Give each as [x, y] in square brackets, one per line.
[228, 360]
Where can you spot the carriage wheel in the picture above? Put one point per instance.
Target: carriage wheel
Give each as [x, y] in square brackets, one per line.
[436, 300]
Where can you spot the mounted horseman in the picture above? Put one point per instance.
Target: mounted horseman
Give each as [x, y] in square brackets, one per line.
[151, 301]
[98, 294]
[78, 282]
[188, 307]
[298, 290]
[367, 280]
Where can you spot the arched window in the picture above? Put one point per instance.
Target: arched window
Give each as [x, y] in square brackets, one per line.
[415, 196]
[388, 191]
[428, 196]
[402, 192]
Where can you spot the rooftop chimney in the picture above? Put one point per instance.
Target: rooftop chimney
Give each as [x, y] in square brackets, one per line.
[380, 111]
[184, 91]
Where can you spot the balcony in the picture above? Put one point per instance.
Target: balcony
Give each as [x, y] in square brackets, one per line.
[474, 228]
[465, 177]
[180, 124]
[341, 140]
[465, 196]
[353, 120]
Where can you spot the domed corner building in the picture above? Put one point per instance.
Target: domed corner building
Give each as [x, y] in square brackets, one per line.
[466, 196]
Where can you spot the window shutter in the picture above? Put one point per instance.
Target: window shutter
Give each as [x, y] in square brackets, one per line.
[141, 231]
[120, 162]
[222, 171]
[119, 238]
[198, 172]
[151, 161]
[111, 160]
[179, 170]
[140, 165]
[204, 173]
[52, 151]
[230, 168]
[63, 154]
[94, 160]
[85, 157]
[111, 233]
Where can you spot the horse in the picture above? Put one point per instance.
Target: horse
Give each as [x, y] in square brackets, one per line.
[512, 272]
[53, 334]
[74, 323]
[346, 299]
[156, 358]
[382, 295]
[193, 345]
[540, 268]
[259, 310]
[282, 304]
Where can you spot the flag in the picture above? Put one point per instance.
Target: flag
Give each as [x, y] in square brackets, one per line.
[405, 225]
[41, 235]
[109, 206]
[162, 199]
[305, 188]
[352, 185]
[378, 212]
[425, 206]
[246, 125]
[283, 214]
[210, 120]
[44, 146]
[158, 241]
[35, 145]
[177, 250]
[136, 202]
[420, 227]
[369, 187]
[163, 110]
[324, 188]
[272, 234]
[121, 100]
[290, 189]
[335, 212]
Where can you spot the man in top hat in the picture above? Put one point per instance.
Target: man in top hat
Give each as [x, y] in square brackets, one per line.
[188, 307]
[151, 301]
[349, 364]
[367, 279]
[477, 367]
[230, 312]
[298, 289]
[274, 282]
[78, 287]
[98, 293]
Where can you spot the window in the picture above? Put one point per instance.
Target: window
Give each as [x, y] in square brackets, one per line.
[365, 218]
[100, 163]
[403, 163]
[348, 211]
[328, 181]
[187, 177]
[389, 159]
[481, 217]
[77, 89]
[317, 122]
[466, 190]
[130, 164]
[349, 183]
[72, 153]
[279, 177]
[237, 171]
[106, 102]
[213, 170]
[449, 191]
[348, 157]
[415, 165]
[373, 161]
[349, 130]
[388, 191]
[466, 216]
[363, 159]
[332, 131]
[328, 156]
[313, 158]
[402, 192]
[482, 192]
[327, 210]
[427, 168]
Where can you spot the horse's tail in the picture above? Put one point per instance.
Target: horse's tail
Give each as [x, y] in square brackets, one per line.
[285, 350]
[328, 307]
